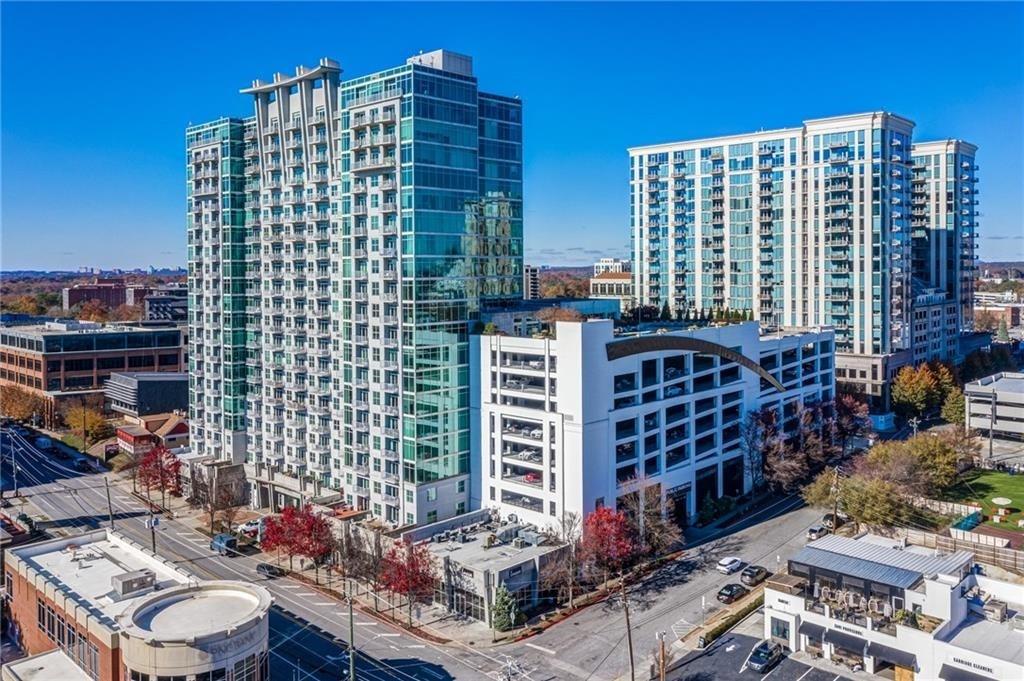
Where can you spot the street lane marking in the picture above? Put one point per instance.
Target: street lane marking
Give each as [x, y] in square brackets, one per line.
[389, 635]
[367, 624]
[416, 645]
[541, 648]
[290, 586]
[306, 594]
[805, 673]
[324, 603]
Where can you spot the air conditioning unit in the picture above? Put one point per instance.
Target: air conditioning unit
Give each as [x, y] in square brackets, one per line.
[519, 543]
[131, 583]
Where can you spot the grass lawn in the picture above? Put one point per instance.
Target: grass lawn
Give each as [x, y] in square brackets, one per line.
[980, 487]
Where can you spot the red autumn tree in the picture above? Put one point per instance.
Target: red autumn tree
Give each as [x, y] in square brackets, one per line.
[608, 545]
[160, 469]
[408, 570]
[298, 532]
[314, 537]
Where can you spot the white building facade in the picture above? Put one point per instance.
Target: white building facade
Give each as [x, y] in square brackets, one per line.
[617, 265]
[897, 611]
[573, 422]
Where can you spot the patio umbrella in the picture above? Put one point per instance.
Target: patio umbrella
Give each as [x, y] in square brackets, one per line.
[1002, 501]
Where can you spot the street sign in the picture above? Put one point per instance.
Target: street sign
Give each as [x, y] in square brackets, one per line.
[152, 523]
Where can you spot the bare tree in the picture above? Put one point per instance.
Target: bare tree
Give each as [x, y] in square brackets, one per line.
[650, 517]
[752, 442]
[562, 576]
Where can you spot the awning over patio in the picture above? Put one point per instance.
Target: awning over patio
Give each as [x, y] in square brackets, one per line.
[854, 644]
[948, 673]
[892, 655]
[812, 631]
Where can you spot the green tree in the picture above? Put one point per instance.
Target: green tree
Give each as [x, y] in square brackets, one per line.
[490, 329]
[953, 409]
[666, 313]
[914, 390]
[1003, 334]
[505, 611]
[945, 382]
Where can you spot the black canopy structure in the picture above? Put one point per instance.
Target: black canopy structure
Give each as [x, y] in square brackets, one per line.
[948, 673]
[812, 630]
[892, 655]
[846, 641]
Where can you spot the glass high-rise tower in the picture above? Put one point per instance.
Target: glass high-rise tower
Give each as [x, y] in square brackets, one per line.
[379, 214]
[802, 226]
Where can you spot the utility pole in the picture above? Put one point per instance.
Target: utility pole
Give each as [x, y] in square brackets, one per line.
[152, 529]
[661, 655]
[991, 424]
[351, 642]
[835, 501]
[110, 507]
[629, 630]
[914, 422]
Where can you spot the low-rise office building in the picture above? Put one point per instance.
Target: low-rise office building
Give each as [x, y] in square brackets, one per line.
[141, 393]
[581, 418]
[995, 406]
[478, 552]
[614, 285]
[903, 611]
[62, 361]
[99, 606]
[166, 303]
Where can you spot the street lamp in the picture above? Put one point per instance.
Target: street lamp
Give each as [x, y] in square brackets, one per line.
[661, 654]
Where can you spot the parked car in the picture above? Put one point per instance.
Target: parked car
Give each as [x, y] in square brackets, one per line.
[729, 565]
[753, 575]
[251, 528]
[732, 592]
[224, 544]
[83, 466]
[43, 443]
[816, 532]
[764, 656]
[269, 571]
[59, 453]
[832, 522]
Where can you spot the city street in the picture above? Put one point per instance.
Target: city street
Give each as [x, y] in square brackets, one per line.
[309, 631]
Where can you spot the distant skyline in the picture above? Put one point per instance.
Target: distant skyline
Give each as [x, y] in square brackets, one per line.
[95, 106]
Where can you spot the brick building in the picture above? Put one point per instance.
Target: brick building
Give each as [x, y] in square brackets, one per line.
[62, 361]
[100, 606]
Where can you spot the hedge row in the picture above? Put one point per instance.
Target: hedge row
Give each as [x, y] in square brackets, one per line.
[732, 620]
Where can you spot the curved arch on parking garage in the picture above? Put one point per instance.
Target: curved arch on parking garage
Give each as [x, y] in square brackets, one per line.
[662, 342]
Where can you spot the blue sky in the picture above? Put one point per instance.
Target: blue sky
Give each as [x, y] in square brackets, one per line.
[95, 99]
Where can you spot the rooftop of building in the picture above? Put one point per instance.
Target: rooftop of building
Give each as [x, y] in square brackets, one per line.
[195, 610]
[84, 568]
[64, 327]
[160, 376]
[1007, 381]
[881, 560]
[584, 305]
[474, 549]
[996, 639]
[619, 276]
[53, 665]
[773, 132]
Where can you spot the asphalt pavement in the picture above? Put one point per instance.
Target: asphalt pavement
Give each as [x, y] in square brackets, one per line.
[310, 631]
[725, 660]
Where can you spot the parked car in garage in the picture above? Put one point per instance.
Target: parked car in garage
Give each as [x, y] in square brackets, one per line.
[731, 592]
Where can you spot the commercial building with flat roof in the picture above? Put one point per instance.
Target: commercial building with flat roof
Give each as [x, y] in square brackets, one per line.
[141, 393]
[65, 360]
[995, 406]
[903, 611]
[117, 612]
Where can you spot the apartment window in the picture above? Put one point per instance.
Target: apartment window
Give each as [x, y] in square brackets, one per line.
[432, 494]
[461, 486]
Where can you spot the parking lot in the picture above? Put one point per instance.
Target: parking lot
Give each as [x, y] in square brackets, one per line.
[726, 659]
